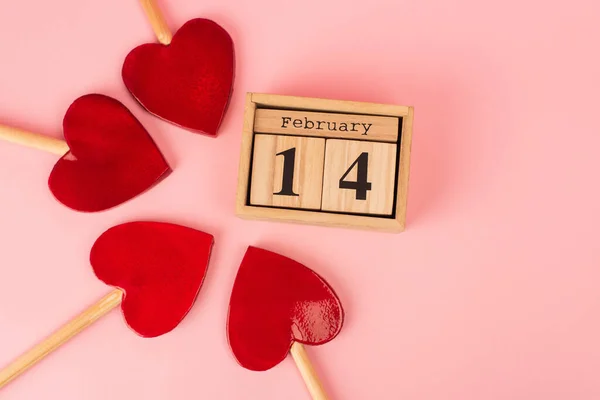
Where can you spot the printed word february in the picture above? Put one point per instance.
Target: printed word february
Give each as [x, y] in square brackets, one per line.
[305, 123]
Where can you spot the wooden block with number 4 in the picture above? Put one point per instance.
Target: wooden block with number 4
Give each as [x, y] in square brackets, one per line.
[359, 177]
[287, 171]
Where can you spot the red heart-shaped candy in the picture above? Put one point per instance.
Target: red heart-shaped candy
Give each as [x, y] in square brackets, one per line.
[159, 266]
[188, 82]
[274, 302]
[111, 159]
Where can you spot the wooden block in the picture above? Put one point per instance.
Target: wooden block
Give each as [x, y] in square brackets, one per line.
[394, 222]
[268, 100]
[359, 177]
[287, 171]
[329, 125]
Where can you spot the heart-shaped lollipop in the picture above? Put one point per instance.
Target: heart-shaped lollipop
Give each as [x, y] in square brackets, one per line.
[157, 269]
[276, 304]
[187, 81]
[159, 266]
[107, 155]
[111, 159]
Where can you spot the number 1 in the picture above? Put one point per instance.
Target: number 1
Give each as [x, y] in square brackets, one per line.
[289, 159]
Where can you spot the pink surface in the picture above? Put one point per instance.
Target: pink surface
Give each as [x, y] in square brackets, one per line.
[491, 293]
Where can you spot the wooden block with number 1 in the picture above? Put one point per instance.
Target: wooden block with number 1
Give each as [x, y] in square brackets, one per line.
[287, 171]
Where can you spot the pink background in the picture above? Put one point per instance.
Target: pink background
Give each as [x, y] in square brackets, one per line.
[491, 293]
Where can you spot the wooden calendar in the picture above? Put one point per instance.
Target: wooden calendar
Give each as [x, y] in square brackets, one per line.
[326, 162]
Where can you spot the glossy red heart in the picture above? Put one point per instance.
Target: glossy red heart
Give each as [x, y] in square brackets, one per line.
[159, 266]
[111, 159]
[189, 82]
[274, 302]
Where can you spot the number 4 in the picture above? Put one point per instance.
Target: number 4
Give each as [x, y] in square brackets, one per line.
[361, 185]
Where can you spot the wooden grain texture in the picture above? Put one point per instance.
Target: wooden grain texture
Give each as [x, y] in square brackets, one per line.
[245, 156]
[404, 169]
[340, 155]
[329, 125]
[317, 104]
[34, 140]
[319, 218]
[62, 335]
[309, 375]
[298, 216]
[157, 21]
[268, 167]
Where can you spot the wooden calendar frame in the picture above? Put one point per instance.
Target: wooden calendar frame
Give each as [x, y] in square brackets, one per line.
[394, 223]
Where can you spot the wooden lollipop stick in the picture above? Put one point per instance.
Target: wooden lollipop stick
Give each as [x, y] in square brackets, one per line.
[37, 141]
[315, 388]
[62, 335]
[157, 20]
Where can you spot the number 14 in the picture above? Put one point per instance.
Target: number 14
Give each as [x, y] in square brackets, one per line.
[361, 185]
